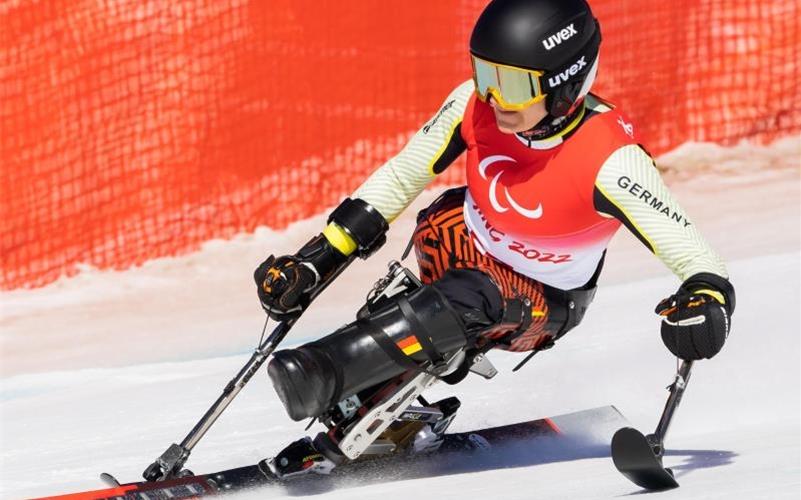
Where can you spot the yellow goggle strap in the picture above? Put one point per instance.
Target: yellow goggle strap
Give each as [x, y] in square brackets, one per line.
[512, 88]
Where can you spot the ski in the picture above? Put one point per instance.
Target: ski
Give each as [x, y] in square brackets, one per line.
[635, 458]
[477, 449]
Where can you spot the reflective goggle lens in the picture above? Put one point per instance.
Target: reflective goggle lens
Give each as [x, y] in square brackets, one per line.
[513, 88]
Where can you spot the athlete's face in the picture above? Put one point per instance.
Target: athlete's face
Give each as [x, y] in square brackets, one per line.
[512, 122]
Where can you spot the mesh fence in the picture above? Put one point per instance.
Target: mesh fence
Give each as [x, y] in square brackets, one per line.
[133, 129]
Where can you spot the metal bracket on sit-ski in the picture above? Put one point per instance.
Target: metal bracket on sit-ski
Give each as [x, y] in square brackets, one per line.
[366, 430]
[397, 280]
[420, 414]
[483, 366]
[349, 406]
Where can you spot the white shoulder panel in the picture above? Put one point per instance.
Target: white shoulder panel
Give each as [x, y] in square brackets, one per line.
[395, 184]
[630, 181]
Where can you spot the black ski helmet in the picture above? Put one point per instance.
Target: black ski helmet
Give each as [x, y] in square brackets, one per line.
[559, 37]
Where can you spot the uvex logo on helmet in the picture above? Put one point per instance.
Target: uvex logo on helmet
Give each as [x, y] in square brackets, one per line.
[565, 75]
[559, 37]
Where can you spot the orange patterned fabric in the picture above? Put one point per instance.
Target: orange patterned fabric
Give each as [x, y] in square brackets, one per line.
[134, 129]
[442, 242]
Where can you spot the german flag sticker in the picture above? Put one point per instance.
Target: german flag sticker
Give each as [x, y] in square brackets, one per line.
[409, 345]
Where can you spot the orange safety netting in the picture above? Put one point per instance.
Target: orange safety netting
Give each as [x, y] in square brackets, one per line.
[133, 129]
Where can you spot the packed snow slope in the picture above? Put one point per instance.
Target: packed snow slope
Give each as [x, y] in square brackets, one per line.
[103, 371]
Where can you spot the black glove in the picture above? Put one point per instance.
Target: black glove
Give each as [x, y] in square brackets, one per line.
[283, 284]
[286, 284]
[697, 317]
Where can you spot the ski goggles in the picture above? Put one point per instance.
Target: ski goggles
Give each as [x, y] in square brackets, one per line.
[512, 88]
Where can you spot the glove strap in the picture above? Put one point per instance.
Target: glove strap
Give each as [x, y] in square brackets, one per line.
[712, 285]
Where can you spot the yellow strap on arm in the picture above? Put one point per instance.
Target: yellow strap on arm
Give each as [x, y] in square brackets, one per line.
[715, 295]
[339, 239]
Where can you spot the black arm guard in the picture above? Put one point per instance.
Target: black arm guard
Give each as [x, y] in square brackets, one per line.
[711, 281]
[363, 223]
[322, 256]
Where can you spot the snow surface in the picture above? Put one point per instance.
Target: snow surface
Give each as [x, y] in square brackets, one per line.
[103, 371]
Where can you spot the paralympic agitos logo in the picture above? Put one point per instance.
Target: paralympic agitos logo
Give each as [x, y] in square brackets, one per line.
[535, 213]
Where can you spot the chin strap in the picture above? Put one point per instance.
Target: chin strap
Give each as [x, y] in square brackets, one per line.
[549, 132]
